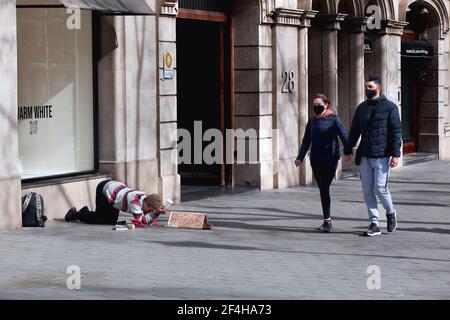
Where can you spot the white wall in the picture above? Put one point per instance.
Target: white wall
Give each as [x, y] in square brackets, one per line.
[10, 215]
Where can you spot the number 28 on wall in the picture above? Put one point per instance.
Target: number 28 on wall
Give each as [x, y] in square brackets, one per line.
[289, 81]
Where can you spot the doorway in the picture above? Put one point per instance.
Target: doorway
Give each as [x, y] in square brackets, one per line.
[203, 101]
[420, 97]
[409, 105]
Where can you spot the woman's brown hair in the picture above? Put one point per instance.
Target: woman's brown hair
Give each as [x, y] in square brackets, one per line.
[324, 98]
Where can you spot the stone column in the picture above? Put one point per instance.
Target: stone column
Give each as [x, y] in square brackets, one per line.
[324, 58]
[329, 25]
[351, 72]
[285, 96]
[290, 94]
[444, 62]
[127, 101]
[10, 180]
[442, 82]
[169, 179]
[351, 65]
[389, 77]
[387, 57]
[306, 175]
[253, 95]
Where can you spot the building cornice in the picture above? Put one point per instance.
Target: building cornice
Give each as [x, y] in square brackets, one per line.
[329, 21]
[391, 27]
[354, 25]
[169, 8]
[291, 17]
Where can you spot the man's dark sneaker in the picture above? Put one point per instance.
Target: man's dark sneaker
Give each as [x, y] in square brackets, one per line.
[327, 227]
[391, 221]
[71, 215]
[373, 230]
[321, 227]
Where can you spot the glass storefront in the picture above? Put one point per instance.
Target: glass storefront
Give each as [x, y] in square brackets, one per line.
[55, 92]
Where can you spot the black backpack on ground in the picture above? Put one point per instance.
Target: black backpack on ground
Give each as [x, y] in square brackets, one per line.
[33, 210]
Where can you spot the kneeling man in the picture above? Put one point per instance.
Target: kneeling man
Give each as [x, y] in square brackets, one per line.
[111, 197]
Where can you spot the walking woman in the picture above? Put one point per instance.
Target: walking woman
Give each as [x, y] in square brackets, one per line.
[321, 134]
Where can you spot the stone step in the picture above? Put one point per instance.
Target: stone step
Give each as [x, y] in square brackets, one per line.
[415, 158]
[350, 173]
[408, 160]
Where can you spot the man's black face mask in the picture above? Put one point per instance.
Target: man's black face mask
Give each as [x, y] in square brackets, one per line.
[370, 93]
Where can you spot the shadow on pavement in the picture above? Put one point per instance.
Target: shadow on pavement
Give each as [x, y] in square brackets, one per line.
[219, 223]
[194, 193]
[433, 230]
[204, 245]
[422, 204]
[419, 182]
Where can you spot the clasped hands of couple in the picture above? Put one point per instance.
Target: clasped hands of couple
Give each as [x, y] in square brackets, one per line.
[347, 158]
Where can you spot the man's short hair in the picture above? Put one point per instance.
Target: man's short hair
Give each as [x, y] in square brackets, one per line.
[375, 79]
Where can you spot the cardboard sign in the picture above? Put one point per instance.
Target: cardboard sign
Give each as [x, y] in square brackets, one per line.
[187, 220]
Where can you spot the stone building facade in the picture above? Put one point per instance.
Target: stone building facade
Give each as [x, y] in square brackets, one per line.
[125, 79]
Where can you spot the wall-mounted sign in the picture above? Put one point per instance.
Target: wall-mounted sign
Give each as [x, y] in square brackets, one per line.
[289, 82]
[417, 49]
[168, 65]
[368, 45]
[33, 113]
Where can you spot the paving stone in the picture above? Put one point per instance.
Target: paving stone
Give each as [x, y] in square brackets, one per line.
[263, 246]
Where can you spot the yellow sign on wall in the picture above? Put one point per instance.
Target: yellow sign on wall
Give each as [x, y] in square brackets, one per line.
[168, 60]
[168, 65]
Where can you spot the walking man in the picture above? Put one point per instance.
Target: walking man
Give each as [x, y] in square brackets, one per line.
[377, 122]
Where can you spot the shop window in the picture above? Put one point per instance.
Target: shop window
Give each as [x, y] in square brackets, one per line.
[55, 92]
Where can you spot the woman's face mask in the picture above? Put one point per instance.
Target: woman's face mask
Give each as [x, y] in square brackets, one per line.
[319, 109]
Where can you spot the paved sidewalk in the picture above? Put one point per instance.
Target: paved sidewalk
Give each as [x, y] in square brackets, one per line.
[263, 247]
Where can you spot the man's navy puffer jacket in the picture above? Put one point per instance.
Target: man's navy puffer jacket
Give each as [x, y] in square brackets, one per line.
[379, 124]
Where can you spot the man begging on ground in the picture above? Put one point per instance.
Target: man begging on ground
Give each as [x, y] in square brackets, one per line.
[111, 197]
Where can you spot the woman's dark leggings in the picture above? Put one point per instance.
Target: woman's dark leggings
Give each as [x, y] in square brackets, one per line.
[104, 212]
[324, 174]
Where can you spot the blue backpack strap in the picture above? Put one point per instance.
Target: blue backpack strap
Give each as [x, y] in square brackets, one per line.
[26, 201]
[40, 216]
